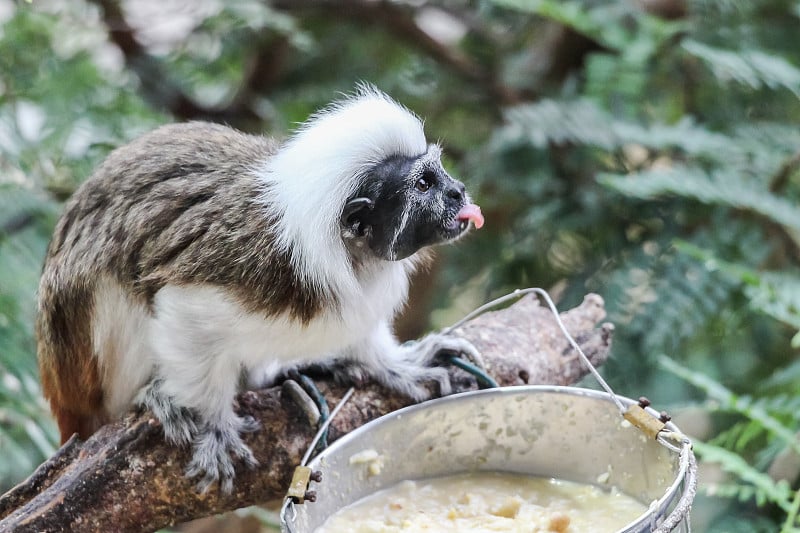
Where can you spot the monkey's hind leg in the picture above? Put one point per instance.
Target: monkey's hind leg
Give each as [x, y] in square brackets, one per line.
[178, 422]
[197, 370]
[215, 444]
[215, 439]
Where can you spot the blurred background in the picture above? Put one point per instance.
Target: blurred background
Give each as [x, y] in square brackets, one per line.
[648, 151]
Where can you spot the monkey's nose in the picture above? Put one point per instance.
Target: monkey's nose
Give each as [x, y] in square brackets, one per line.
[457, 191]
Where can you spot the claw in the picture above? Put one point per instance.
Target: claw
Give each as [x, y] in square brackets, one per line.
[470, 352]
[459, 346]
[429, 348]
[246, 454]
[226, 485]
[249, 424]
[204, 484]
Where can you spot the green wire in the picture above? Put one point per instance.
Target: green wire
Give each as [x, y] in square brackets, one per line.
[485, 381]
[324, 411]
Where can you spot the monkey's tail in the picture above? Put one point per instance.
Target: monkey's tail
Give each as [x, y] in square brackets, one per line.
[70, 423]
[68, 369]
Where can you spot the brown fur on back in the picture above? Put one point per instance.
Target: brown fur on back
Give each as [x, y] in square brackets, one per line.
[179, 205]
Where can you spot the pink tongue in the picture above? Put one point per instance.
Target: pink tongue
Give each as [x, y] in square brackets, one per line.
[473, 213]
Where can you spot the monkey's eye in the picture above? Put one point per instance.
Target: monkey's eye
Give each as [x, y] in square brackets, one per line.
[423, 184]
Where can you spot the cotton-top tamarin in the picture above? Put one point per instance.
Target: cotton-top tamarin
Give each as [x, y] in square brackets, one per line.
[197, 255]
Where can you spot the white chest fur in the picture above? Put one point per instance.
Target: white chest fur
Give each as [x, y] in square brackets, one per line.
[212, 321]
[198, 330]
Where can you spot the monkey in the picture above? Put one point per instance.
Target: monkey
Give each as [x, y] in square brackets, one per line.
[198, 256]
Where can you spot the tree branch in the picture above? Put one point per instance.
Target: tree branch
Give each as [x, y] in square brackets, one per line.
[126, 478]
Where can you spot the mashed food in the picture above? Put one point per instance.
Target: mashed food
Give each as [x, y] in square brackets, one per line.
[487, 502]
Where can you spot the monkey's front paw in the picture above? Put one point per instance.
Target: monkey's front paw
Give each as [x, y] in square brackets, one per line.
[410, 379]
[435, 345]
[399, 374]
[214, 449]
[412, 384]
[417, 358]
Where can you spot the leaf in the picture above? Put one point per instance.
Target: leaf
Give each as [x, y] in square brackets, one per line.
[607, 23]
[776, 294]
[766, 489]
[726, 188]
[582, 122]
[729, 401]
[551, 121]
[753, 68]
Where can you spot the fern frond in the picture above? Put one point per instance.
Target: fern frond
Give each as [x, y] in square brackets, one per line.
[740, 435]
[792, 520]
[737, 436]
[785, 378]
[753, 68]
[665, 299]
[726, 188]
[769, 137]
[728, 401]
[780, 405]
[552, 121]
[734, 491]
[776, 294]
[582, 122]
[764, 488]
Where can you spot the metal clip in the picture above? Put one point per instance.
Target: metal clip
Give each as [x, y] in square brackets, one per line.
[298, 489]
[647, 423]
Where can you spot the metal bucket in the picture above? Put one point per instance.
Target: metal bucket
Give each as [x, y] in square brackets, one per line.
[559, 432]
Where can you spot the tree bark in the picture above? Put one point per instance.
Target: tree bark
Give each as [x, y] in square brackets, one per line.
[127, 478]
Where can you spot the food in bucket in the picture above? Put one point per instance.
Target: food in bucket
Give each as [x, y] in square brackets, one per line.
[488, 501]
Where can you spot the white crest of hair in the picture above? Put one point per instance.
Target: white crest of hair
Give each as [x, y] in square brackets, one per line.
[322, 165]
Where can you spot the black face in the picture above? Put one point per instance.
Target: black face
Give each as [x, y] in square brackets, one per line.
[404, 204]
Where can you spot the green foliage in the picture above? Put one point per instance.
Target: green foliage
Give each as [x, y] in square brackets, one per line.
[672, 179]
[776, 294]
[725, 188]
[26, 432]
[766, 425]
[49, 62]
[754, 484]
[753, 68]
[654, 161]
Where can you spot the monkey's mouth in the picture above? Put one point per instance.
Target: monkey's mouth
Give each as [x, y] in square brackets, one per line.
[460, 223]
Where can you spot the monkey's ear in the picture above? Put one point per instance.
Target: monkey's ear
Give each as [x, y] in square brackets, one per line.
[350, 218]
